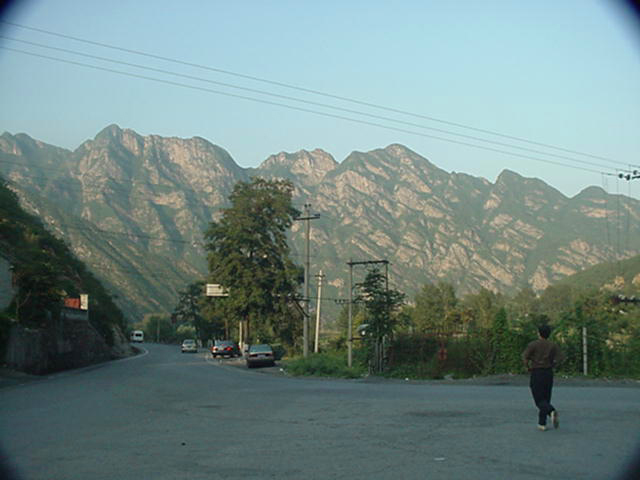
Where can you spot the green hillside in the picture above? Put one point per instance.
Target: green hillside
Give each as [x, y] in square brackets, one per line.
[608, 273]
[45, 271]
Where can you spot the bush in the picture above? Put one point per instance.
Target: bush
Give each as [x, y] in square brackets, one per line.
[332, 364]
[278, 351]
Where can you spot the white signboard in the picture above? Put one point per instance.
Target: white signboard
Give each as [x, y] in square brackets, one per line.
[216, 290]
[84, 301]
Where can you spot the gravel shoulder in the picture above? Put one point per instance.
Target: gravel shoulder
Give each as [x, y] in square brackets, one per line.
[496, 380]
[10, 377]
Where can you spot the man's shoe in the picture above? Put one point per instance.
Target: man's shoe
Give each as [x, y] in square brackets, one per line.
[554, 419]
[542, 428]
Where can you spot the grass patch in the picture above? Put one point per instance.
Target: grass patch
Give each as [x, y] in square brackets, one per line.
[330, 364]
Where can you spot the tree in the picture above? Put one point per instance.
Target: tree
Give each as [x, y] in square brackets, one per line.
[505, 352]
[248, 253]
[482, 306]
[381, 306]
[435, 309]
[524, 305]
[557, 299]
[157, 328]
[37, 279]
[188, 310]
[217, 320]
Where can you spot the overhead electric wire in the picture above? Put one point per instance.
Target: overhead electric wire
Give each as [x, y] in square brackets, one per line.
[306, 110]
[71, 184]
[310, 102]
[130, 270]
[307, 90]
[143, 236]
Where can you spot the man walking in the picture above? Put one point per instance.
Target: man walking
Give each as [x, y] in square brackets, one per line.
[539, 358]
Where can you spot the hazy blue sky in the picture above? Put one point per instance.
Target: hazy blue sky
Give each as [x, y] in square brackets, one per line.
[565, 73]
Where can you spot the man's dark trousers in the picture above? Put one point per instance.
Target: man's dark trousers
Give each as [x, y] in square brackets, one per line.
[541, 383]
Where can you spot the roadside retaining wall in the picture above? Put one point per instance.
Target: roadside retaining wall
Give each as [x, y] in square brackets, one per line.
[6, 290]
[69, 343]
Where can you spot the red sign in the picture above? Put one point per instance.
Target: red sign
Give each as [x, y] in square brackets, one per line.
[72, 303]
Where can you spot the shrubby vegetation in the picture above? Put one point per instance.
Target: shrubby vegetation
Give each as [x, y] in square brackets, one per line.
[45, 271]
[329, 364]
[485, 333]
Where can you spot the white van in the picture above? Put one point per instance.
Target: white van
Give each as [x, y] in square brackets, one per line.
[137, 336]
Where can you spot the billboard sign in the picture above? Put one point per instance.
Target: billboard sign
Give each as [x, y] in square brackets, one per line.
[84, 301]
[216, 290]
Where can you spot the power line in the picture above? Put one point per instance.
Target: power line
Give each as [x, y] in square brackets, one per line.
[310, 102]
[93, 228]
[84, 188]
[308, 90]
[306, 110]
[142, 236]
[79, 178]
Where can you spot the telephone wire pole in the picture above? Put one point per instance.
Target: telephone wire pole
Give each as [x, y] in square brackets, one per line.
[307, 267]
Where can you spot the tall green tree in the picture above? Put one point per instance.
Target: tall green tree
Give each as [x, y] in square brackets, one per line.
[524, 305]
[248, 253]
[188, 311]
[382, 312]
[557, 299]
[435, 309]
[505, 349]
[157, 328]
[482, 307]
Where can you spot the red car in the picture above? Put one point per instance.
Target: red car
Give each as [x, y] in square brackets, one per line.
[224, 348]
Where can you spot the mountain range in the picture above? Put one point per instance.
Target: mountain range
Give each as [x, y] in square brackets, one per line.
[134, 209]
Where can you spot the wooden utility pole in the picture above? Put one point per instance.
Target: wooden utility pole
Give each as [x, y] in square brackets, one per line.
[320, 277]
[307, 267]
[584, 352]
[350, 327]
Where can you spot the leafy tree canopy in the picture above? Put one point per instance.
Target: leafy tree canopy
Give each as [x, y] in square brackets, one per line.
[381, 304]
[248, 251]
[435, 307]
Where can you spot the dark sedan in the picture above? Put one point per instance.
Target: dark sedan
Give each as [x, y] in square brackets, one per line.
[225, 348]
[260, 355]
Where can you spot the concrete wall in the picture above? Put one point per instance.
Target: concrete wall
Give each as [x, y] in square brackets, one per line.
[66, 344]
[6, 291]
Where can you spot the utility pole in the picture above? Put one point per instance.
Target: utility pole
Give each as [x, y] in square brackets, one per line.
[320, 277]
[350, 331]
[307, 267]
[584, 351]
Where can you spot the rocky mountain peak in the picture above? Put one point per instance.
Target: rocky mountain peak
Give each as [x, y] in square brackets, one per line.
[309, 167]
[386, 203]
[127, 138]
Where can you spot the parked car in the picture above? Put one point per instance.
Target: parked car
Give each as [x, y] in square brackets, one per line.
[260, 354]
[225, 348]
[189, 345]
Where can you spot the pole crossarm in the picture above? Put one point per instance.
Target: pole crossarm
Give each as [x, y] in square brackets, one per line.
[310, 217]
[369, 262]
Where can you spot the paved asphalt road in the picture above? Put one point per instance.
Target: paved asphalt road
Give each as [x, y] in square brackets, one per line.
[167, 415]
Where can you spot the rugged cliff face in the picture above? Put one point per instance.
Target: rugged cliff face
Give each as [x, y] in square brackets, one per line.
[134, 208]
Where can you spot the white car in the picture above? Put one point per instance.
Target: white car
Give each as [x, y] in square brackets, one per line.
[189, 345]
